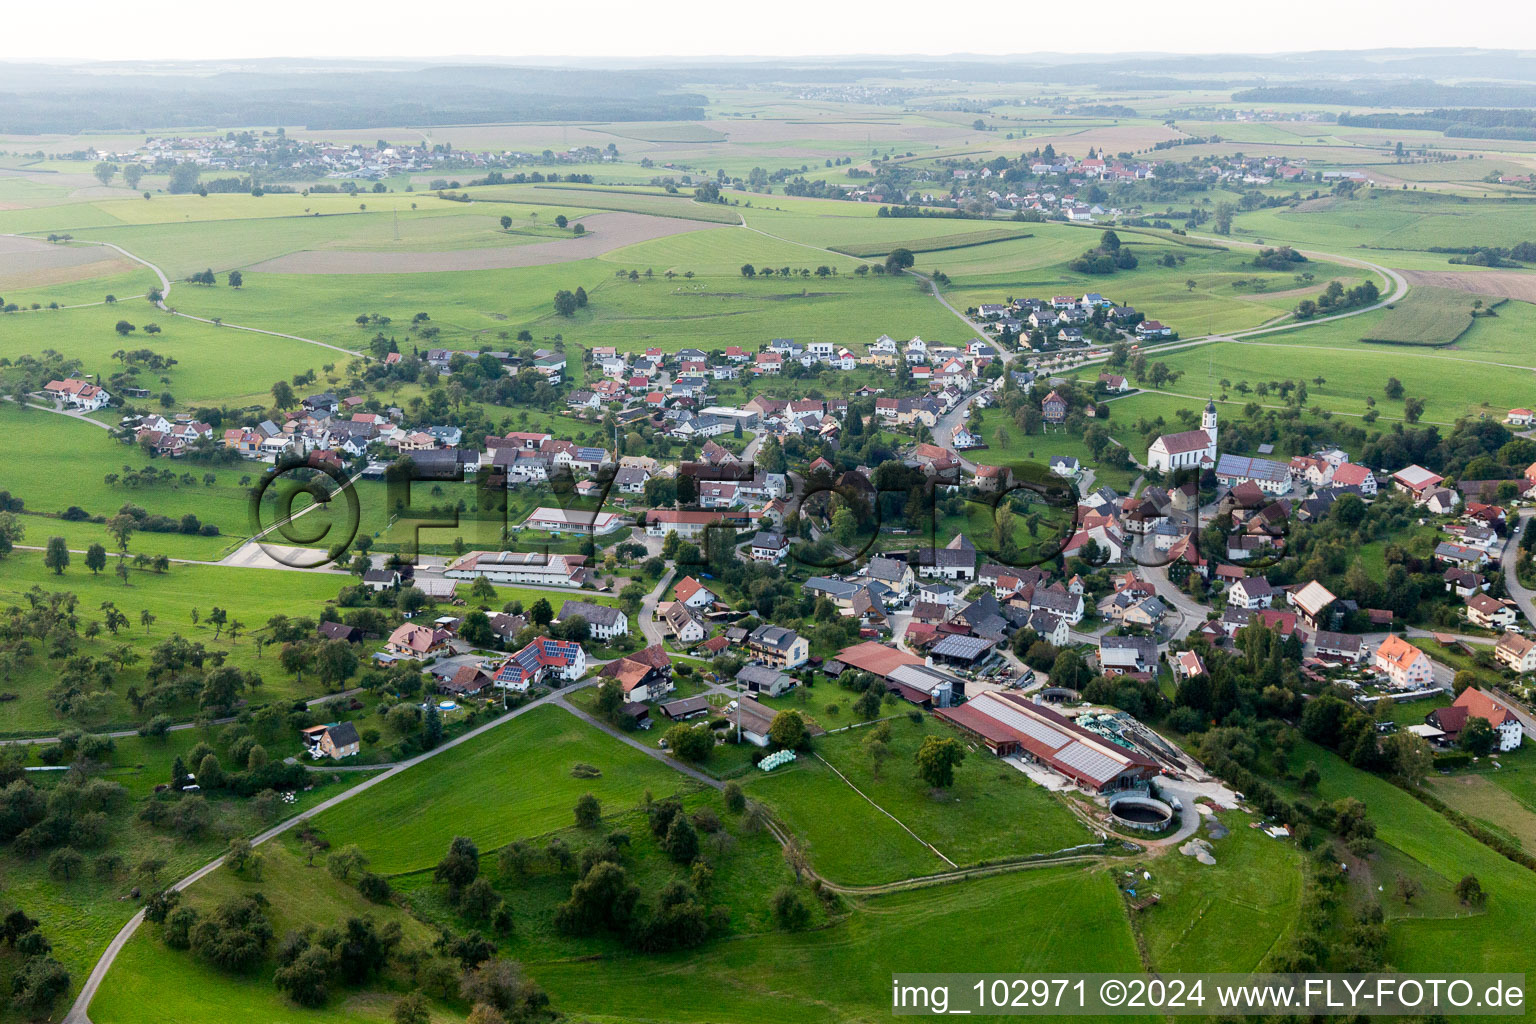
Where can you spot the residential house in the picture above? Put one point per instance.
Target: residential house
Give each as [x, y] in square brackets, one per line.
[1054, 408]
[778, 646]
[1474, 702]
[335, 741]
[381, 579]
[682, 622]
[417, 641]
[1339, 646]
[763, 679]
[769, 547]
[545, 658]
[693, 593]
[606, 623]
[1491, 612]
[1516, 653]
[1250, 592]
[1405, 665]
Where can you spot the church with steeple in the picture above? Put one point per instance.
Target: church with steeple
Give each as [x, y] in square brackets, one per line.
[1189, 449]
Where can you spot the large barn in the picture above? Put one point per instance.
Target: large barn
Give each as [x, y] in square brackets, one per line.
[1012, 725]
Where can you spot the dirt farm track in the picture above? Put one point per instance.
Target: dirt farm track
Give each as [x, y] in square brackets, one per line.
[1509, 284]
[605, 233]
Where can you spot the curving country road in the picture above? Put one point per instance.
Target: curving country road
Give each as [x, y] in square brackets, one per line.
[78, 1012]
[165, 292]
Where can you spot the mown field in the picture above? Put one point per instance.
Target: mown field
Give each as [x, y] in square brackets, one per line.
[1400, 225]
[991, 813]
[1223, 917]
[485, 309]
[928, 244]
[511, 782]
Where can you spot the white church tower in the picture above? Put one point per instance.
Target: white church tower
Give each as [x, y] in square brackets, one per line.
[1208, 424]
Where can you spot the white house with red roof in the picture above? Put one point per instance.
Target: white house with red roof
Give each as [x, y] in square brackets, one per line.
[693, 593]
[1351, 475]
[1478, 703]
[79, 394]
[1404, 664]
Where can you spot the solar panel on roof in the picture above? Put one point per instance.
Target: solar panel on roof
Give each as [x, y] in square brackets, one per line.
[1035, 729]
[1092, 763]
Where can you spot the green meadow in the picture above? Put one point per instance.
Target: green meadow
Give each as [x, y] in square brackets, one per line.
[991, 813]
[1033, 920]
[251, 596]
[1435, 933]
[512, 781]
[1402, 223]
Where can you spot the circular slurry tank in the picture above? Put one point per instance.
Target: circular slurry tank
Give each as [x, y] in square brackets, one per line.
[1138, 811]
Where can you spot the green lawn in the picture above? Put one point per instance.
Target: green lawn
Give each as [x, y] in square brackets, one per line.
[1382, 219]
[1222, 917]
[512, 781]
[991, 813]
[1034, 920]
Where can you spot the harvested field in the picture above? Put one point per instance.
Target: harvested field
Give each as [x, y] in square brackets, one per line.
[941, 243]
[605, 232]
[34, 263]
[1509, 284]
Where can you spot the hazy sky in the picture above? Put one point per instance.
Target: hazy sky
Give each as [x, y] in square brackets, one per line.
[112, 29]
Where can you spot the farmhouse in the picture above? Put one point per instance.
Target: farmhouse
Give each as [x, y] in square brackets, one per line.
[924, 686]
[1269, 476]
[77, 393]
[1127, 655]
[1416, 480]
[1474, 702]
[545, 658]
[605, 622]
[1313, 602]
[1013, 726]
[876, 659]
